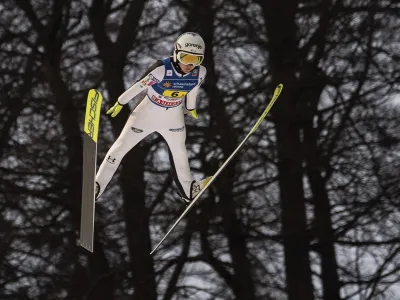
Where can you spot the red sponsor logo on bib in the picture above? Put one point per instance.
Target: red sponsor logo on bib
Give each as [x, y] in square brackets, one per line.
[165, 103]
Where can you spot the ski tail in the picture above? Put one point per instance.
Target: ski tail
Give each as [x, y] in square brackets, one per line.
[275, 96]
[91, 129]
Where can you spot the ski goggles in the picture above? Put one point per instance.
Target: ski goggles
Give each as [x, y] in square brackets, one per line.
[189, 58]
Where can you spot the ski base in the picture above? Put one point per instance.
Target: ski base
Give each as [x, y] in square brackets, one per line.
[91, 127]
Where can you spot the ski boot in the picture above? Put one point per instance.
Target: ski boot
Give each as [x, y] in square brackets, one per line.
[195, 189]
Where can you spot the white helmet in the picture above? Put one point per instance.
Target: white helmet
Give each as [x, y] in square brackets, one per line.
[189, 49]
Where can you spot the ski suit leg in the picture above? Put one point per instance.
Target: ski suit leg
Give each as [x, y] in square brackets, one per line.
[130, 135]
[178, 156]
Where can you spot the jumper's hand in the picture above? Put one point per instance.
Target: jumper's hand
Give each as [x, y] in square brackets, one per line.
[114, 110]
[192, 113]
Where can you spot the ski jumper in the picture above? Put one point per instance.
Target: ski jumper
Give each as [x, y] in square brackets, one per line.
[161, 110]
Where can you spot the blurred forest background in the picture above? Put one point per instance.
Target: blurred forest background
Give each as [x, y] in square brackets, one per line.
[309, 209]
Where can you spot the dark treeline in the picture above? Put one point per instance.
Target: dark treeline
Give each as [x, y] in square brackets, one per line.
[309, 208]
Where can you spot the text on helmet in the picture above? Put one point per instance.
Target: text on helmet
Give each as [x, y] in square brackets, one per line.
[193, 45]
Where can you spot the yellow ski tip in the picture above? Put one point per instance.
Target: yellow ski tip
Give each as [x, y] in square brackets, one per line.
[92, 116]
[277, 92]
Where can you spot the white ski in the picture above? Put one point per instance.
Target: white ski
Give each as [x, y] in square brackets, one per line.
[91, 128]
[277, 92]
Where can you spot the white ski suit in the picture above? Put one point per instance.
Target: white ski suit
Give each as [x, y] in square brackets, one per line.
[167, 90]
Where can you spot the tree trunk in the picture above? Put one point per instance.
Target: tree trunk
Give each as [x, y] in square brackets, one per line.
[70, 123]
[322, 210]
[137, 224]
[242, 281]
[283, 58]
[113, 56]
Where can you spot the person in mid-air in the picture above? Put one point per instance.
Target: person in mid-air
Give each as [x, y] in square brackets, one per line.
[171, 87]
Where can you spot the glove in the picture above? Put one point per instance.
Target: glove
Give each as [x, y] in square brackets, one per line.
[115, 109]
[192, 113]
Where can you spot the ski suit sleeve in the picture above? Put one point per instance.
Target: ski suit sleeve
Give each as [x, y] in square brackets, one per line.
[153, 75]
[191, 97]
